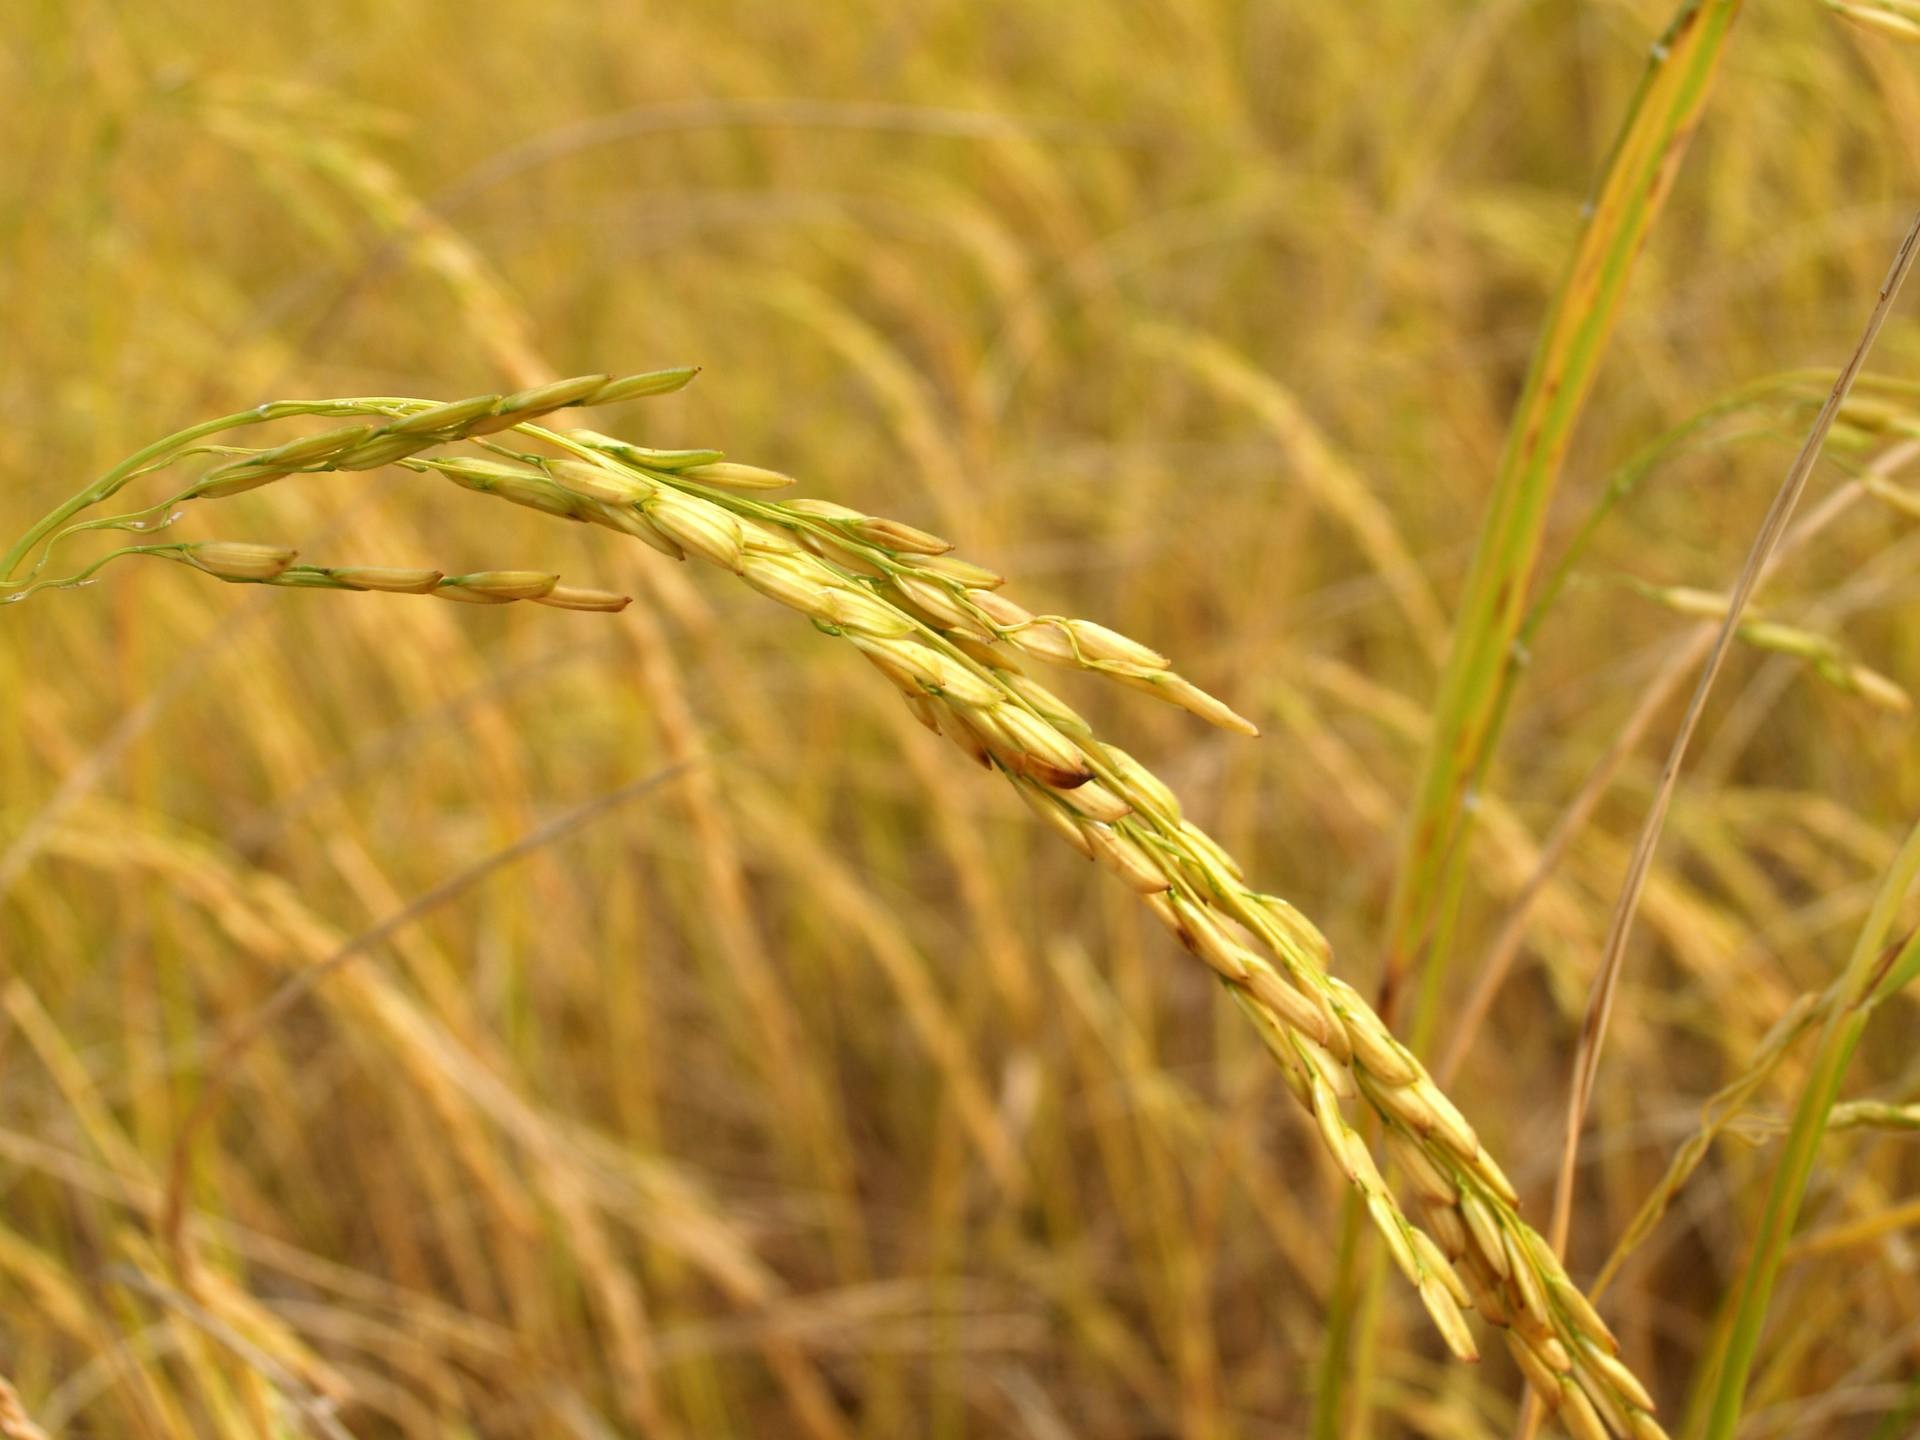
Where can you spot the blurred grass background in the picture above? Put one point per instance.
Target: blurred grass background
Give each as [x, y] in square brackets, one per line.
[813, 1091]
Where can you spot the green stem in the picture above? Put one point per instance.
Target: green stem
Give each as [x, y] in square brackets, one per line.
[1468, 710]
[1862, 985]
[142, 461]
[68, 582]
[114, 479]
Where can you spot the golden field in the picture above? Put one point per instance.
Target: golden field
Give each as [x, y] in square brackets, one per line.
[432, 1020]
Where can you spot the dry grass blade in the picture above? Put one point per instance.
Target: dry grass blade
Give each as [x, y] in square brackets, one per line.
[1492, 973]
[173, 1210]
[316, 1412]
[1332, 482]
[1593, 1029]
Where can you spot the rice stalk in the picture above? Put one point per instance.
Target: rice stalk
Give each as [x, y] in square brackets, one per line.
[944, 634]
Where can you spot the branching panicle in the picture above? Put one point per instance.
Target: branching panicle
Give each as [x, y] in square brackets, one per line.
[943, 633]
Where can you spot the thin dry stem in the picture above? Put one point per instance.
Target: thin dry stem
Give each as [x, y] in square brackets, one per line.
[1593, 1029]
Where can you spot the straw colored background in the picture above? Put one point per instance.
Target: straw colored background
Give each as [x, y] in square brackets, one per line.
[815, 1087]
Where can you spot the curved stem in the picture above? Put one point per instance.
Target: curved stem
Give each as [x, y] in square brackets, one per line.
[141, 461]
[110, 483]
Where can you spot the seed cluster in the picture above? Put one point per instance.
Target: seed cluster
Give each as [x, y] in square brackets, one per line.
[943, 633]
[246, 562]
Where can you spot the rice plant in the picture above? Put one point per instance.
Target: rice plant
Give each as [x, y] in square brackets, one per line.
[358, 1085]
